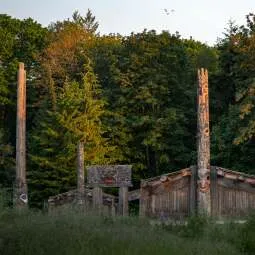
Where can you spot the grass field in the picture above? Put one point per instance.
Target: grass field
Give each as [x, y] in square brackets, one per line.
[72, 233]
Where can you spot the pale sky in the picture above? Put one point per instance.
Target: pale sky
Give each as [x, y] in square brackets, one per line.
[204, 20]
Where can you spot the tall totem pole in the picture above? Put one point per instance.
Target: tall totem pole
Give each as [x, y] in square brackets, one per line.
[20, 189]
[203, 145]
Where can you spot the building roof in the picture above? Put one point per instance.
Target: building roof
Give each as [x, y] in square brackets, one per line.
[223, 172]
[69, 197]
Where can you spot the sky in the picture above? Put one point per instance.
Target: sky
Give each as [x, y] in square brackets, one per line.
[204, 20]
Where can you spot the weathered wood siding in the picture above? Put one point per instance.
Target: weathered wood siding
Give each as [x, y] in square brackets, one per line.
[234, 202]
[168, 198]
[174, 195]
[232, 197]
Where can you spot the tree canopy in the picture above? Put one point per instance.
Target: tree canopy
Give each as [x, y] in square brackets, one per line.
[130, 99]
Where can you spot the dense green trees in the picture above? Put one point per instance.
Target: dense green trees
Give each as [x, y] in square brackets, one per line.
[131, 99]
[154, 94]
[76, 117]
[234, 137]
[21, 40]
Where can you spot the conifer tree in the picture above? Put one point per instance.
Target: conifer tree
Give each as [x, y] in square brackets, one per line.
[79, 109]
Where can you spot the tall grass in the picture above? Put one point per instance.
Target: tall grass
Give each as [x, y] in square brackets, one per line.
[72, 233]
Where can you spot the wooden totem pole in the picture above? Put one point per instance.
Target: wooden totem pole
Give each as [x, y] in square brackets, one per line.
[20, 190]
[203, 145]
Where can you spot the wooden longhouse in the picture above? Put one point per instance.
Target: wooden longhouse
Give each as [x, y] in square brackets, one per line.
[69, 199]
[174, 195]
[203, 189]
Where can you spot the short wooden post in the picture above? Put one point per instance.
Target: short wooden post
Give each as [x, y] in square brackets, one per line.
[143, 201]
[153, 204]
[123, 201]
[80, 174]
[20, 190]
[203, 150]
[97, 197]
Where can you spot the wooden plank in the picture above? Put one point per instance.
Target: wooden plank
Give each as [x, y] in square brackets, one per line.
[134, 195]
[193, 190]
[143, 198]
[113, 210]
[153, 204]
[97, 199]
[214, 194]
[20, 193]
[123, 201]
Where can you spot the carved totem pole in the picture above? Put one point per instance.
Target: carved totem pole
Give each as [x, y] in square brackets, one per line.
[203, 146]
[20, 193]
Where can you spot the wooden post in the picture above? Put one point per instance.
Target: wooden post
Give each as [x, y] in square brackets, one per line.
[123, 201]
[20, 193]
[203, 145]
[80, 174]
[97, 197]
[153, 204]
[113, 212]
[142, 207]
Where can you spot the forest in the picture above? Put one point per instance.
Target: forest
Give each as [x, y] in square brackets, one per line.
[130, 99]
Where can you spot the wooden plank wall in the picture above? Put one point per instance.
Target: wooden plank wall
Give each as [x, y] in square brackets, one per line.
[234, 202]
[169, 200]
[231, 198]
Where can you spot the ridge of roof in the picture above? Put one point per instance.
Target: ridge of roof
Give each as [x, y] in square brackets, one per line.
[182, 171]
